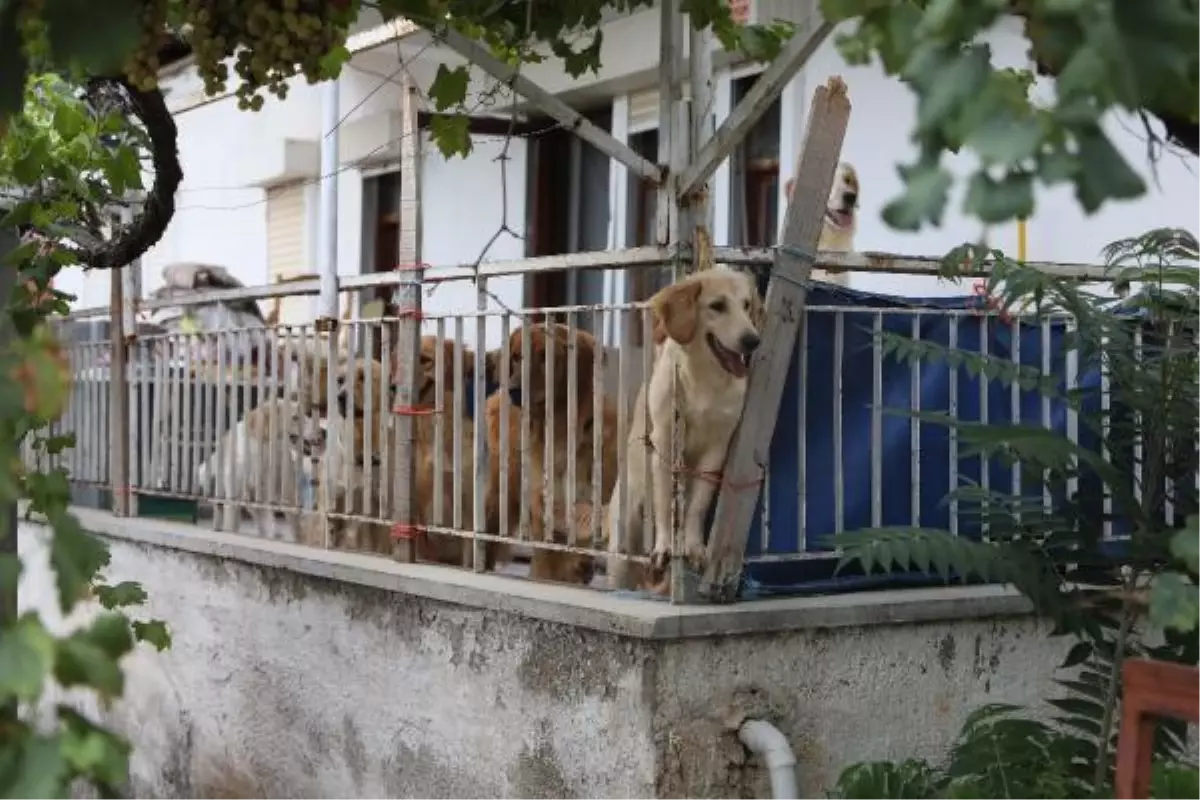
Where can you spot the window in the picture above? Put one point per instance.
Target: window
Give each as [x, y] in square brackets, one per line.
[286, 256]
[641, 220]
[754, 193]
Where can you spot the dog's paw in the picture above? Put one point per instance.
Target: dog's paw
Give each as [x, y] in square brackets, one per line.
[696, 554]
[660, 557]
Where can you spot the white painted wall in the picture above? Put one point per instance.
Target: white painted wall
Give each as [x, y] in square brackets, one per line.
[228, 154]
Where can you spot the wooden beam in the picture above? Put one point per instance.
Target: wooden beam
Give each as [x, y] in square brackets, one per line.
[750, 110]
[750, 448]
[570, 119]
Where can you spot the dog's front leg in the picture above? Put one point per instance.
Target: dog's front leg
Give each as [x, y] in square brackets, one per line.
[661, 474]
[703, 486]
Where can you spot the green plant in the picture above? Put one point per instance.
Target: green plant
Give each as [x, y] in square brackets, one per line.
[1094, 590]
[62, 164]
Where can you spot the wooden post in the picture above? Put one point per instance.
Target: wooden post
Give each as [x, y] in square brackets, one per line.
[750, 448]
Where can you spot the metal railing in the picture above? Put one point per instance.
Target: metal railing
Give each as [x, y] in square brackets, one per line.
[520, 440]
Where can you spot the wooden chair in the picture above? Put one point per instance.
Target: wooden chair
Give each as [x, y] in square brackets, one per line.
[1150, 689]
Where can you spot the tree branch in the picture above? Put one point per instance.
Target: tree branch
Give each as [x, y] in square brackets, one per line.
[147, 229]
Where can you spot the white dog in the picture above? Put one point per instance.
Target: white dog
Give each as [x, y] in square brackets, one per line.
[711, 320]
[258, 469]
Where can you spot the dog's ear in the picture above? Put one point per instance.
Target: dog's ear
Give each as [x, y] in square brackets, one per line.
[675, 307]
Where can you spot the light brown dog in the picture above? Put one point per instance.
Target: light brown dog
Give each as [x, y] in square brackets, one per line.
[549, 421]
[711, 320]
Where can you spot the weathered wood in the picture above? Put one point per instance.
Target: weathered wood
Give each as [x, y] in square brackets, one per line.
[750, 447]
[1150, 689]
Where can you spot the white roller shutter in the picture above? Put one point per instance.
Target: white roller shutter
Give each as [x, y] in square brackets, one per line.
[286, 235]
[643, 108]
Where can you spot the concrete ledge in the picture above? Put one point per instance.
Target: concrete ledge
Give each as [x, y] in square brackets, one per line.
[597, 610]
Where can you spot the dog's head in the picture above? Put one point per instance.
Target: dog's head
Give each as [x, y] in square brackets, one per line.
[430, 376]
[842, 206]
[352, 388]
[717, 309]
[543, 337]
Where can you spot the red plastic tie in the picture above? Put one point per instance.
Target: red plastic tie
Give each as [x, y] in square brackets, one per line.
[405, 531]
[414, 411]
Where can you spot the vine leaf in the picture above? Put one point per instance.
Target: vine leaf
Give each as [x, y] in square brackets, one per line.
[95, 37]
[153, 632]
[26, 656]
[76, 557]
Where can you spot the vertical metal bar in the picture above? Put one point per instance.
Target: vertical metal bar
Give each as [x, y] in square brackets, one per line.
[1105, 430]
[526, 435]
[459, 410]
[209, 418]
[1015, 400]
[371, 412]
[277, 459]
[839, 476]
[221, 491]
[349, 415]
[175, 379]
[190, 453]
[1138, 427]
[598, 423]
[439, 424]
[505, 411]
[243, 386]
[160, 411]
[480, 455]
[572, 422]
[953, 465]
[985, 465]
[1072, 383]
[118, 384]
[549, 478]
[914, 425]
[877, 421]
[802, 429]
[1047, 420]
[386, 449]
[1168, 483]
[668, 89]
[264, 362]
[648, 453]
[621, 324]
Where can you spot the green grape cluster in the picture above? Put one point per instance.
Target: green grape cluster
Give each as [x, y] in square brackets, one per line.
[270, 41]
[142, 67]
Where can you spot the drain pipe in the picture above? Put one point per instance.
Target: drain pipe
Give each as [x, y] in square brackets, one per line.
[327, 206]
[768, 742]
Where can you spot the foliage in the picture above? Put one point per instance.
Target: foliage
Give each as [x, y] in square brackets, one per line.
[61, 164]
[999, 754]
[261, 45]
[1141, 454]
[1105, 54]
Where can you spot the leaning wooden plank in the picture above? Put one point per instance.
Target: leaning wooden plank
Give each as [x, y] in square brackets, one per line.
[749, 450]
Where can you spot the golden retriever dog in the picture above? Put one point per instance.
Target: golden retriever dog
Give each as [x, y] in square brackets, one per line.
[711, 320]
[841, 211]
[371, 480]
[550, 565]
[263, 460]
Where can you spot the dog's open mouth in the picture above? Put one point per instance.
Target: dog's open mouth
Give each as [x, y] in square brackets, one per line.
[839, 218]
[734, 363]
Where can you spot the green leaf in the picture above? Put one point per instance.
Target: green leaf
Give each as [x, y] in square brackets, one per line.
[449, 87]
[26, 657]
[76, 556]
[1104, 174]
[1173, 602]
[946, 81]
[92, 750]
[1077, 655]
[999, 201]
[126, 593]
[13, 64]
[451, 133]
[332, 62]
[926, 189]
[1185, 545]
[33, 766]
[1006, 139]
[80, 662]
[96, 37]
[1174, 780]
[153, 632]
[111, 633]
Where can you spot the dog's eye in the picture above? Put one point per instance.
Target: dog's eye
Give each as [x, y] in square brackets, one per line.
[718, 305]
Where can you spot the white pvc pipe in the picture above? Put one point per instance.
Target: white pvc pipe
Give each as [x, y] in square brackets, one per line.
[327, 211]
[768, 742]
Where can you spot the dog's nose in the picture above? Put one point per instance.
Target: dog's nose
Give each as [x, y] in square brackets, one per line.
[850, 199]
[749, 342]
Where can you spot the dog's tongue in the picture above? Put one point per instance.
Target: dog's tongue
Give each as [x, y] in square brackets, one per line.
[734, 363]
[839, 218]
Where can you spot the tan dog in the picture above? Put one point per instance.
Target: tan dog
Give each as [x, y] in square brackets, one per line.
[550, 565]
[263, 456]
[712, 321]
[841, 211]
